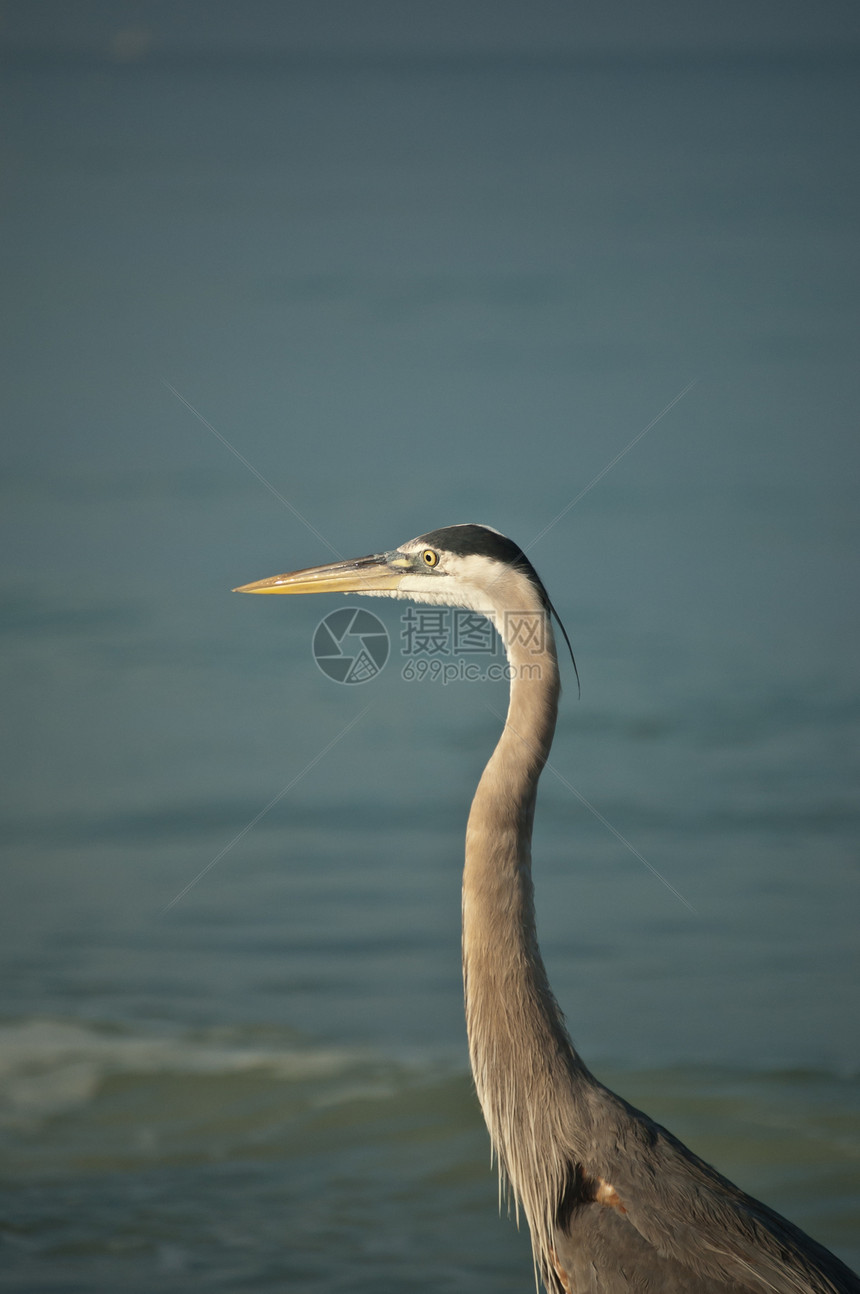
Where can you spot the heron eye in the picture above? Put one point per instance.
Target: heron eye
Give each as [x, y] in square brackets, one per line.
[430, 558]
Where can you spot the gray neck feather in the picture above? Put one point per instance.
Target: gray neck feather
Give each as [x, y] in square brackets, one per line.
[522, 1057]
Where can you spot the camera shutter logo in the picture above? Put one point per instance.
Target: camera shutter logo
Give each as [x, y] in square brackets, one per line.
[351, 645]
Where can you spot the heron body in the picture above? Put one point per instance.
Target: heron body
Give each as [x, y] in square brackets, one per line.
[614, 1202]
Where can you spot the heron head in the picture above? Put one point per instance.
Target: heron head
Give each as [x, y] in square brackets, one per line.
[471, 566]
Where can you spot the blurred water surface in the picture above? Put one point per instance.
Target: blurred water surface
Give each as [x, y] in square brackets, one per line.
[409, 293]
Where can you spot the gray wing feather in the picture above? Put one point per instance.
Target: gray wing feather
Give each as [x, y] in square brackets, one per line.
[680, 1224]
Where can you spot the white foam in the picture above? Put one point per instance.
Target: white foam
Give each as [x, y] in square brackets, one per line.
[50, 1066]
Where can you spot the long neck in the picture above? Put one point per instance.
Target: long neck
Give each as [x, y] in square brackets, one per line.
[522, 1058]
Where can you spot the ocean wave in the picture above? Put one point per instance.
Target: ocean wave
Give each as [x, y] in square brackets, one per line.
[49, 1066]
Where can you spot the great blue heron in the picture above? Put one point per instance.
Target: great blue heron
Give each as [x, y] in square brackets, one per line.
[613, 1201]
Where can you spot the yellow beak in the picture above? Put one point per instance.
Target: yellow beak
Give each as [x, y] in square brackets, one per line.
[363, 575]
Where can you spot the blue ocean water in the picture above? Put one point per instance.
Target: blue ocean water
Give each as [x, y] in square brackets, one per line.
[396, 294]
